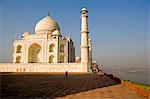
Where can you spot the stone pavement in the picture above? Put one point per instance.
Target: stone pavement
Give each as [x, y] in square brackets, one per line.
[111, 92]
[59, 86]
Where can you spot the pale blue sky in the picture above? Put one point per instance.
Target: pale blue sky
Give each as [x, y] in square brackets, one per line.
[118, 28]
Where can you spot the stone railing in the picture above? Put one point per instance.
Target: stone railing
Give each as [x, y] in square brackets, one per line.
[136, 88]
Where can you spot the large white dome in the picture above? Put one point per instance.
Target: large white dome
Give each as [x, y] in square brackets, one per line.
[46, 24]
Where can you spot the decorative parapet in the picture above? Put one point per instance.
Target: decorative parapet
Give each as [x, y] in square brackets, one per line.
[136, 88]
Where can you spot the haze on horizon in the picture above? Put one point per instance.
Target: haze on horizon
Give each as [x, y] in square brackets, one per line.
[118, 28]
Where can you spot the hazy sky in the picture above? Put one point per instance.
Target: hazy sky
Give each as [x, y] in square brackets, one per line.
[118, 28]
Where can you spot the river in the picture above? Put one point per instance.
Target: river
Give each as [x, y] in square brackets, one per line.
[137, 75]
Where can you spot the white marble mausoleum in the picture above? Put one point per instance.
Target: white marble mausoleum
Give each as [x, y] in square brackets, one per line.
[46, 50]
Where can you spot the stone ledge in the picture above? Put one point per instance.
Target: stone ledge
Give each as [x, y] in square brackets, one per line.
[43, 67]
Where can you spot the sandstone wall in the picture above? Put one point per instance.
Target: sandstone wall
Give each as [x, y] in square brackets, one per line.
[136, 88]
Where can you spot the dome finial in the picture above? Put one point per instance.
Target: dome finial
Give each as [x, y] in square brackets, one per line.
[48, 13]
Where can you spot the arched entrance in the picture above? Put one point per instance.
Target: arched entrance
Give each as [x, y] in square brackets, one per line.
[34, 53]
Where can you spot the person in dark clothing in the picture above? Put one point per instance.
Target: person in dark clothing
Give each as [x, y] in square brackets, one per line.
[66, 73]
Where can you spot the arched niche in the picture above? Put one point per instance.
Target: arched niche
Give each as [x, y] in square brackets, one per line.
[51, 59]
[34, 53]
[61, 59]
[62, 48]
[18, 58]
[51, 48]
[18, 50]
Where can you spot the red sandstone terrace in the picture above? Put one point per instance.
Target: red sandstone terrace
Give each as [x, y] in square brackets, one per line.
[48, 85]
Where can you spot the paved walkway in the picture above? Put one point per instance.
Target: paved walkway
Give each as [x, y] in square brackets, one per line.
[111, 92]
[58, 85]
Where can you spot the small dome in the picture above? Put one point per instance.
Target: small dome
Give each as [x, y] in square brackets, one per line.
[94, 62]
[84, 9]
[56, 32]
[90, 40]
[46, 24]
[78, 58]
[25, 33]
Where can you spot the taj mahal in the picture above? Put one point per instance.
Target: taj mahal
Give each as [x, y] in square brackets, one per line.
[47, 51]
[46, 45]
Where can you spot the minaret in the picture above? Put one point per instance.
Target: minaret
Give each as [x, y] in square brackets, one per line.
[90, 54]
[84, 36]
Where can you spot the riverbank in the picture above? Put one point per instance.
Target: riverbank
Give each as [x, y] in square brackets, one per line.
[133, 74]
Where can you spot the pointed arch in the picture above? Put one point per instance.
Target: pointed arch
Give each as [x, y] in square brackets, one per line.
[61, 59]
[18, 58]
[62, 48]
[51, 59]
[51, 48]
[34, 53]
[19, 47]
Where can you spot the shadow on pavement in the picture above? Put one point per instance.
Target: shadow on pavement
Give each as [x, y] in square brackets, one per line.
[50, 85]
